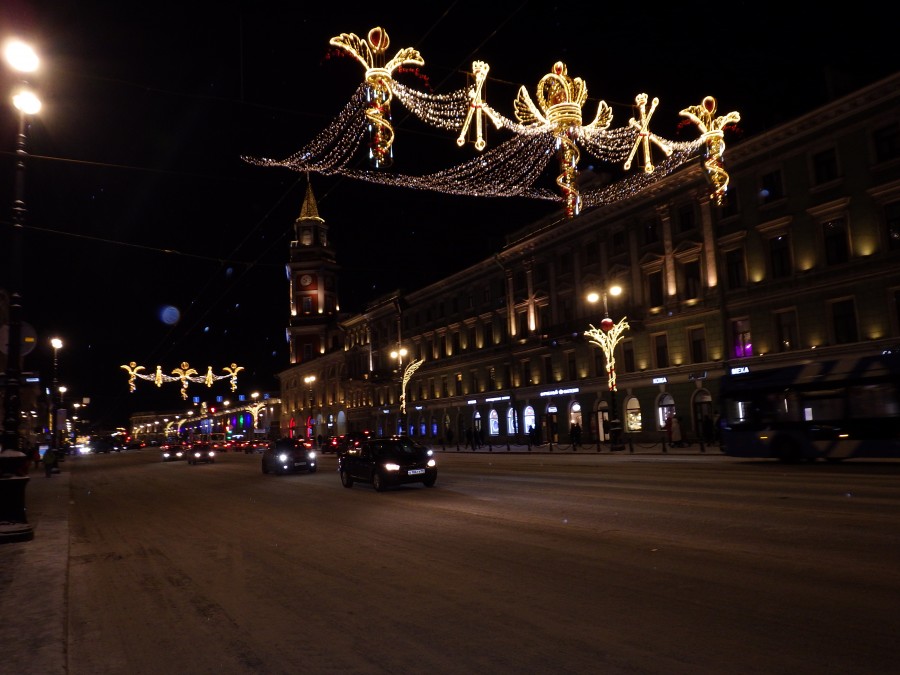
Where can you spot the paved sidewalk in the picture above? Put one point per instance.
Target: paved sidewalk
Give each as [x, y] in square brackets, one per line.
[33, 582]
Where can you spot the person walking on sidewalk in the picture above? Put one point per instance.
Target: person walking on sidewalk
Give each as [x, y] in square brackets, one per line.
[50, 461]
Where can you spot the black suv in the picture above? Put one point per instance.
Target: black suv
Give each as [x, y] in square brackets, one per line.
[289, 455]
[388, 461]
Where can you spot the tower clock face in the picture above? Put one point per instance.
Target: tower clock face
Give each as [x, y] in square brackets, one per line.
[305, 280]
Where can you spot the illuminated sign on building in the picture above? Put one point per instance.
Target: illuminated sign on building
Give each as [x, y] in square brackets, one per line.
[560, 392]
[740, 370]
[659, 380]
[496, 398]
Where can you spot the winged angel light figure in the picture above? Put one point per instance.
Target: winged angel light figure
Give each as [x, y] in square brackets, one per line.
[543, 129]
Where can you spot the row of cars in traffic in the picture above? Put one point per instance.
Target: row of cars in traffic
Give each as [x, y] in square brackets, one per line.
[361, 457]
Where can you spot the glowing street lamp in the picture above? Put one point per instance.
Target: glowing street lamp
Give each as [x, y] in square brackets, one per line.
[309, 379]
[57, 344]
[22, 59]
[607, 337]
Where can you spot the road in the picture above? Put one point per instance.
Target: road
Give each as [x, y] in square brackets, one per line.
[586, 563]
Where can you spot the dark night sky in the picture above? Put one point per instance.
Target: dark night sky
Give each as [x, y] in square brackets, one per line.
[138, 198]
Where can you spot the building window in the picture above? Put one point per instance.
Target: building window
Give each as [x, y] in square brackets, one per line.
[743, 345]
[619, 244]
[655, 288]
[690, 272]
[825, 168]
[770, 187]
[837, 248]
[307, 352]
[628, 357]
[786, 330]
[686, 217]
[697, 337]
[661, 350]
[651, 231]
[887, 142]
[548, 369]
[729, 207]
[458, 384]
[892, 225]
[735, 270]
[307, 305]
[843, 317]
[488, 334]
[780, 256]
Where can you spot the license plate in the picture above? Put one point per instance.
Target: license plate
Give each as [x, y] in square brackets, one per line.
[413, 472]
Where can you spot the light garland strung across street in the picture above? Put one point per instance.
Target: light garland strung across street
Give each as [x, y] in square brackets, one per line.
[185, 374]
[551, 127]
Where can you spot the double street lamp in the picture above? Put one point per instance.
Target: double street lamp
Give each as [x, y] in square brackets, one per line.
[22, 59]
[607, 337]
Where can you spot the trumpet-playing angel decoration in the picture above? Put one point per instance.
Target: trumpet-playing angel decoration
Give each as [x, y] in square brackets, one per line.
[549, 127]
[183, 374]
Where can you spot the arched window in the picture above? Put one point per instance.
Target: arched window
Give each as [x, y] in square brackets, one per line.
[529, 417]
[494, 426]
[512, 423]
[633, 421]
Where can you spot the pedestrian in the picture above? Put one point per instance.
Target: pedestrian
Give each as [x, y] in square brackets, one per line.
[708, 429]
[531, 436]
[50, 461]
[676, 439]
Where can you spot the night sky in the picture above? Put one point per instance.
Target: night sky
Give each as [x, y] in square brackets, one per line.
[138, 199]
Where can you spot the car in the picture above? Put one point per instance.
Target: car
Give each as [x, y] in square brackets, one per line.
[101, 445]
[201, 452]
[331, 444]
[289, 455]
[256, 445]
[386, 462]
[351, 440]
[173, 451]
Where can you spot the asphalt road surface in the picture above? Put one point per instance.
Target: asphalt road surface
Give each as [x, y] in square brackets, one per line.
[586, 563]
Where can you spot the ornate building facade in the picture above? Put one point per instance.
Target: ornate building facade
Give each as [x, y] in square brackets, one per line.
[802, 262]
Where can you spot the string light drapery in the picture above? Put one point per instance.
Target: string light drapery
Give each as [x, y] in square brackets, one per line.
[183, 374]
[550, 127]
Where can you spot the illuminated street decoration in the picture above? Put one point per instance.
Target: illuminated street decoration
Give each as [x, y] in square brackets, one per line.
[703, 116]
[378, 86]
[645, 137]
[552, 127]
[183, 374]
[607, 337]
[410, 369]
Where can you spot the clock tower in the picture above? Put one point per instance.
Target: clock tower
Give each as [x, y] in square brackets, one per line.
[313, 274]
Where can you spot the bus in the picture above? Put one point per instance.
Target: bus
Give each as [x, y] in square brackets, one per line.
[832, 409]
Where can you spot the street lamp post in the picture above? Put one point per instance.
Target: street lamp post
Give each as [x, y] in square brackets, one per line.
[309, 379]
[405, 375]
[13, 461]
[57, 344]
[607, 337]
[24, 60]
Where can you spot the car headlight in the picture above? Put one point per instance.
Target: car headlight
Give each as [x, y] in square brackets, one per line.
[283, 457]
[430, 452]
[311, 455]
[431, 463]
[391, 466]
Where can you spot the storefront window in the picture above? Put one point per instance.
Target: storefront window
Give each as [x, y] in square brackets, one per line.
[633, 420]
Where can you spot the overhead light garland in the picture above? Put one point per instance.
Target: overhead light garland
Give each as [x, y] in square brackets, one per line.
[551, 127]
[184, 374]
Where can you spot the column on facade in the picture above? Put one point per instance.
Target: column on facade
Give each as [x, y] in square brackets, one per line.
[665, 218]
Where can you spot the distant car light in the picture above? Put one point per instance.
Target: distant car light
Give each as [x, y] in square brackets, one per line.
[391, 466]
